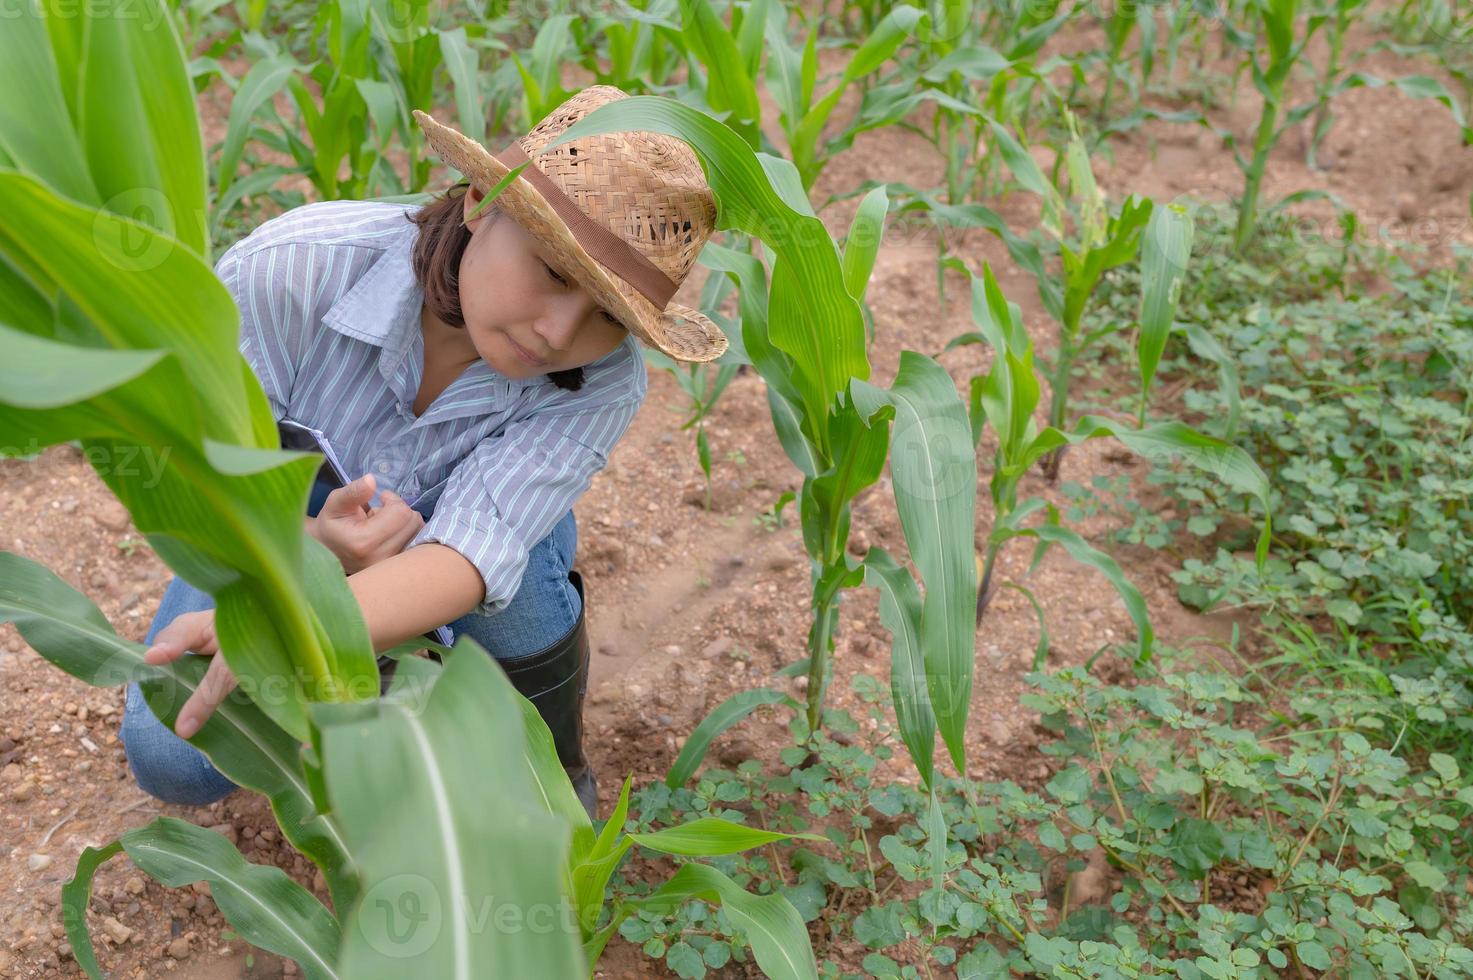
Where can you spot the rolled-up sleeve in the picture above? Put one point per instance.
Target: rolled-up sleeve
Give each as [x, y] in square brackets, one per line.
[508, 493]
[264, 282]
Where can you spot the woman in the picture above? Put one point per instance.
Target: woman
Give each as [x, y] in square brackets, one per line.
[476, 369]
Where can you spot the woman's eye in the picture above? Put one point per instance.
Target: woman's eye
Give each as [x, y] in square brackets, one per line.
[561, 281]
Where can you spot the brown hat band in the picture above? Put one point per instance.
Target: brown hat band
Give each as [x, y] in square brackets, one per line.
[613, 252]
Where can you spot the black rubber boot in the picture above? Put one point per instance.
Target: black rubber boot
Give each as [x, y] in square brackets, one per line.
[555, 680]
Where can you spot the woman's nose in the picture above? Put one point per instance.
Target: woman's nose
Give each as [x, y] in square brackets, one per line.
[559, 323]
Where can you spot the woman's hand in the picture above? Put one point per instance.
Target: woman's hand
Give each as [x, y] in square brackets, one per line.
[360, 536]
[194, 631]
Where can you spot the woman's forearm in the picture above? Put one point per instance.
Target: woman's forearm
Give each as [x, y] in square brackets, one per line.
[415, 591]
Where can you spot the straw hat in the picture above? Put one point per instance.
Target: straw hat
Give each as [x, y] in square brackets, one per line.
[624, 214]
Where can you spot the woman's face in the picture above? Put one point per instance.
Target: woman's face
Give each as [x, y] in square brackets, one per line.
[511, 298]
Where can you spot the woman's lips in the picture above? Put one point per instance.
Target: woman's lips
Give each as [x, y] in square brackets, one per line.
[524, 354]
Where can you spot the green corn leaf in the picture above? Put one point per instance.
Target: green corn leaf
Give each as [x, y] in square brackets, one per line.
[591, 875]
[75, 895]
[1167, 441]
[888, 34]
[178, 305]
[898, 24]
[36, 132]
[900, 613]
[776, 367]
[749, 38]
[729, 88]
[1027, 171]
[784, 70]
[721, 718]
[219, 515]
[787, 421]
[859, 447]
[936, 837]
[1176, 440]
[711, 836]
[703, 451]
[934, 476]
[382, 103]
[862, 246]
[1166, 248]
[1115, 244]
[64, 627]
[258, 181]
[463, 64]
[1427, 87]
[1040, 652]
[142, 143]
[260, 902]
[550, 782]
[1278, 22]
[261, 83]
[1086, 554]
[1023, 252]
[452, 840]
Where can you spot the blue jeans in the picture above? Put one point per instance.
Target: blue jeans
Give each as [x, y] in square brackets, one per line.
[544, 610]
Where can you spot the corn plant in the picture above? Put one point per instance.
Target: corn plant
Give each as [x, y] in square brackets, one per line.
[724, 62]
[1099, 241]
[641, 45]
[1342, 15]
[540, 67]
[974, 88]
[378, 58]
[792, 78]
[1119, 23]
[118, 334]
[1006, 398]
[1282, 44]
[704, 383]
[804, 333]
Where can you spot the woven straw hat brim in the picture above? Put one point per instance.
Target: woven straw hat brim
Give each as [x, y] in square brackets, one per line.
[681, 332]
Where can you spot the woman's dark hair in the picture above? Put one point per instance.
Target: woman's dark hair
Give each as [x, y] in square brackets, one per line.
[437, 251]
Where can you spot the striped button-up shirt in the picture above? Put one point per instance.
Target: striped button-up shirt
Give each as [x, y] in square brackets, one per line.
[330, 323]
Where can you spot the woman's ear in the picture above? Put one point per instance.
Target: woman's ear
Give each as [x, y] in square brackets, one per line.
[473, 197]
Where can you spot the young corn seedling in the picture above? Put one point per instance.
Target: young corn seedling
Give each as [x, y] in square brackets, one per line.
[704, 383]
[1271, 57]
[724, 62]
[1006, 398]
[1099, 241]
[791, 77]
[972, 88]
[641, 47]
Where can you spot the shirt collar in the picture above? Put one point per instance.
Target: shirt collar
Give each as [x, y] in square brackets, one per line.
[385, 302]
